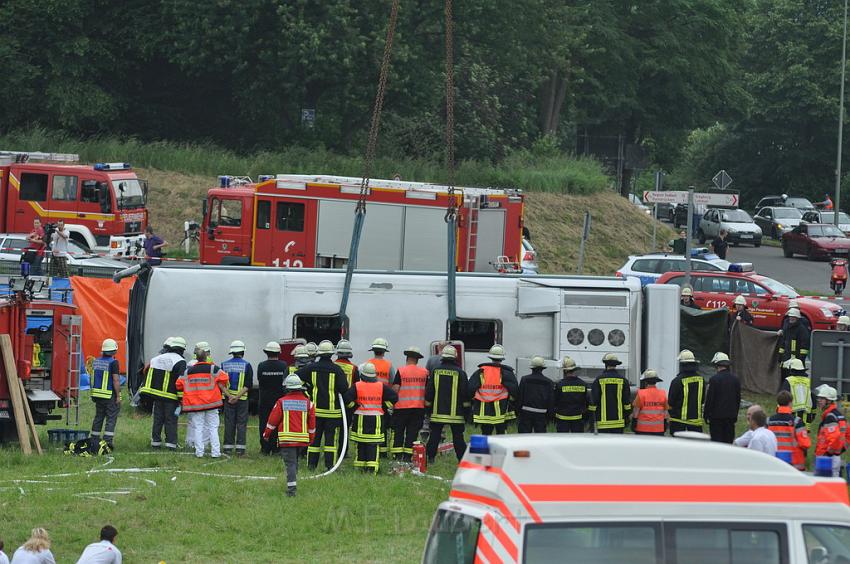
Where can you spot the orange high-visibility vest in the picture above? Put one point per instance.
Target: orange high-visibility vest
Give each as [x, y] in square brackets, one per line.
[653, 408]
[786, 439]
[382, 369]
[491, 385]
[200, 387]
[369, 396]
[411, 394]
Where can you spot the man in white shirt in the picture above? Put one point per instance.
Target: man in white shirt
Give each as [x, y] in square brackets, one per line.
[59, 251]
[3, 558]
[759, 437]
[103, 552]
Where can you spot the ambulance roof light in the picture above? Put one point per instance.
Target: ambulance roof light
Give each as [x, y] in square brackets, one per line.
[112, 166]
[478, 444]
[741, 267]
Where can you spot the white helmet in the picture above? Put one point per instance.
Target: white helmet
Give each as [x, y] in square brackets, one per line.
[827, 392]
[202, 346]
[793, 304]
[650, 375]
[293, 382]
[344, 349]
[740, 300]
[720, 358]
[380, 344]
[794, 363]
[300, 351]
[568, 364]
[537, 362]
[414, 352]
[844, 320]
[325, 348]
[793, 312]
[178, 343]
[272, 347]
[311, 349]
[686, 291]
[237, 347]
[367, 369]
[610, 359]
[497, 352]
[686, 356]
[448, 352]
[109, 345]
[168, 342]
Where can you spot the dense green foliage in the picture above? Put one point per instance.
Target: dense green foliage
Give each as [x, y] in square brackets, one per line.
[239, 74]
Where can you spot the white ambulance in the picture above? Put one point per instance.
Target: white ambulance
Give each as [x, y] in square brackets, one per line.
[637, 500]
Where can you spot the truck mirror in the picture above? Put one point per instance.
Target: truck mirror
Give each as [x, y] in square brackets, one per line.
[204, 208]
[144, 184]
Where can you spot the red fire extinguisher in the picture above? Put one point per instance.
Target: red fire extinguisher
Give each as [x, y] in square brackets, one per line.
[420, 461]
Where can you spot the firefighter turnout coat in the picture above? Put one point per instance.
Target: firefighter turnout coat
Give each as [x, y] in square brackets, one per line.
[161, 377]
[294, 418]
[370, 400]
[324, 380]
[491, 386]
[686, 396]
[610, 400]
[570, 399]
[447, 393]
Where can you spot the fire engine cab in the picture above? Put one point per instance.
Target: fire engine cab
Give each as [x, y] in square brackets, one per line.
[642, 500]
[298, 221]
[103, 205]
[46, 343]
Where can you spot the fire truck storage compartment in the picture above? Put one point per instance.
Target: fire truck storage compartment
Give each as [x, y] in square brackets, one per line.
[382, 246]
[490, 240]
[40, 326]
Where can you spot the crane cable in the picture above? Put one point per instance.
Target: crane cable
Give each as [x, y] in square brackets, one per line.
[451, 210]
[371, 146]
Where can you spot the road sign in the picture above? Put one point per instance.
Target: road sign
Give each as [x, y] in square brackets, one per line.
[700, 198]
[722, 180]
[831, 359]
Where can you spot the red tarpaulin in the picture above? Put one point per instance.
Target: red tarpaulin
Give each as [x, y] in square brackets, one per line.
[103, 305]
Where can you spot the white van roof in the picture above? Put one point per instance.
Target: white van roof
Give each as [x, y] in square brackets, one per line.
[555, 477]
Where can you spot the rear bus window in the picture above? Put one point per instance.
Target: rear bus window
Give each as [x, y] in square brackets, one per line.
[452, 539]
[592, 543]
[477, 335]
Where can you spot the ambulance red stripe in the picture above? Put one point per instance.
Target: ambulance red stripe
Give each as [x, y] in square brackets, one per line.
[501, 535]
[486, 551]
[507, 480]
[821, 492]
[484, 500]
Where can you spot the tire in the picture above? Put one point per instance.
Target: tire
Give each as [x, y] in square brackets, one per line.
[701, 237]
[787, 252]
[757, 244]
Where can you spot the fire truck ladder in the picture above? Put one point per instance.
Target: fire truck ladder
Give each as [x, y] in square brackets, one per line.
[74, 323]
[24, 156]
[473, 208]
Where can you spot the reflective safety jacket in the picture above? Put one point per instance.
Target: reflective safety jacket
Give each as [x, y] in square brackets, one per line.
[369, 399]
[447, 393]
[240, 375]
[102, 381]
[800, 387]
[294, 418]
[791, 435]
[161, 378]
[325, 380]
[570, 399]
[830, 439]
[686, 397]
[201, 387]
[350, 370]
[536, 393]
[383, 369]
[411, 380]
[490, 387]
[610, 400]
[794, 341]
[652, 407]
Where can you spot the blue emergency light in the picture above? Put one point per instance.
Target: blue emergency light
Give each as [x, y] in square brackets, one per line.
[224, 181]
[784, 456]
[112, 166]
[823, 466]
[741, 267]
[478, 444]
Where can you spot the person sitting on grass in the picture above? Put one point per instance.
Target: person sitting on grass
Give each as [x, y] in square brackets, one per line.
[103, 552]
[36, 550]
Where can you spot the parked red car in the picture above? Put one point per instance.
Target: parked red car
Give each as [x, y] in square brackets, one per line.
[766, 298]
[816, 241]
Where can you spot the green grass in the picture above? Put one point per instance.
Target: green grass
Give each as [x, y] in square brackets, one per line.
[540, 171]
[167, 513]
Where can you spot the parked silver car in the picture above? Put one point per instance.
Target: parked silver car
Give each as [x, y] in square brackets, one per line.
[82, 261]
[737, 223]
[829, 217]
[776, 220]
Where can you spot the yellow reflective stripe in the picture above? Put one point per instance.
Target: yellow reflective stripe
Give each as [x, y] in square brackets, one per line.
[331, 393]
[568, 417]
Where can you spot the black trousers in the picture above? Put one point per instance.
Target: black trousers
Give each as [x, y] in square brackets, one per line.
[406, 426]
[676, 427]
[529, 422]
[617, 431]
[326, 440]
[266, 446]
[499, 428]
[722, 430]
[367, 457]
[457, 439]
[576, 426]
[164, 416]
[105, 410]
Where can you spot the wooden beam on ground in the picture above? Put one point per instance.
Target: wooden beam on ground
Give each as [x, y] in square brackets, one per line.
[15, 393]
[30, 420]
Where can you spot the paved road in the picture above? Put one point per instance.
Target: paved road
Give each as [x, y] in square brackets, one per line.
[802, 274]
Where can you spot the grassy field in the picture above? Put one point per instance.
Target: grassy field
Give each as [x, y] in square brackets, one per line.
[177, 508]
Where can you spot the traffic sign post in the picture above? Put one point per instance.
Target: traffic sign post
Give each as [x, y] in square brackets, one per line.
[722, 180]
[831, 359]
[710, 199]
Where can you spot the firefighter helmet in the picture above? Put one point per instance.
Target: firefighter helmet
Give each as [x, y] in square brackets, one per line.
[109, 345]
[568, 364]
[650, 375]
[537, 362]
[380, 344]
[610, 359]
[686, 356]
[367, 370]
[168, 342]
[325, 348]
[300, 351]
[178, 343]
[449, 352]
[844, 320]
[793, 312]
[794, 364]
[740, 300]
[202, 346]
[293, 382]
[237, 347]
[686, 291]
[793, 304]
[413, 352]
[720, 358]
[311, 348]
[344, 349]
[272, 347]
[497, 352]
[827, 392]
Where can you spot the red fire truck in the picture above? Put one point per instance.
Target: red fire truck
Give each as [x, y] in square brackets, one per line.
[46, 344]
[103, 205]
[298, 221]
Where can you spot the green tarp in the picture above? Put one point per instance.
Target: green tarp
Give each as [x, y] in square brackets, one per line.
[703, 333]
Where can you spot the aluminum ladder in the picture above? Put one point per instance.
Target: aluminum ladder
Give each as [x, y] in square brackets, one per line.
[74, 323]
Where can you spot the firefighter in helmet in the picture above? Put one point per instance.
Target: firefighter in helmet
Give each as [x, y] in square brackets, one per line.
[570, 400]
[106, 393]
[686, 395]
[611, 397]
[687, 299]
[491, 386]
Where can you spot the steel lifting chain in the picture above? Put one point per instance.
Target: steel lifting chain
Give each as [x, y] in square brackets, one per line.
[372, 144]
[451, 211]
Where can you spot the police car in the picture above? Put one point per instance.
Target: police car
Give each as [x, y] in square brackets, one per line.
[647, 500]
[649, 268]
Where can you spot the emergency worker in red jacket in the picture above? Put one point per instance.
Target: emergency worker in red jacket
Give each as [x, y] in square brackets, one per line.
[294, 418]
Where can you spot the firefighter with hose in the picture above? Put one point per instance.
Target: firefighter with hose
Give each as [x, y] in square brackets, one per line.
[370, 399]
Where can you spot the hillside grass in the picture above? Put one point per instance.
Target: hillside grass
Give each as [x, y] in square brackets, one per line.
[542, 171]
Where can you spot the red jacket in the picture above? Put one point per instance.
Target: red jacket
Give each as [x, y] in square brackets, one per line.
[830, 438]
[294, 418]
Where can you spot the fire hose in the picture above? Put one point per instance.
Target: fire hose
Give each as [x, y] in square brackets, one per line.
[344, 444]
